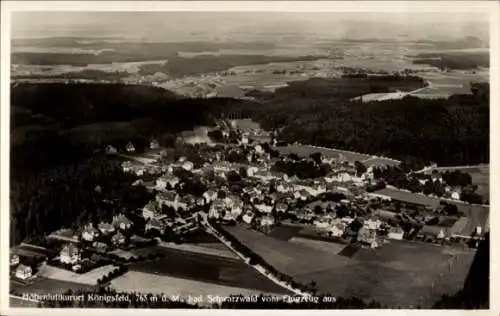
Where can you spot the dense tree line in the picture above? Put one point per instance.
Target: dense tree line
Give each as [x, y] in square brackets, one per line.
[454, 60]
[70, 196]
[453, 131]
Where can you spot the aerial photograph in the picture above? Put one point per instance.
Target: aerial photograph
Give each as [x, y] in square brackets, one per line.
[249, 160]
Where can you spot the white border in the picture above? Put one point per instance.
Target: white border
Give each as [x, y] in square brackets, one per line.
[450, 7]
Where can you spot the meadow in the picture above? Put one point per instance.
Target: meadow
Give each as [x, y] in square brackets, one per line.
[134, 281]
[89, 278]
[398, 274]
[207, 268]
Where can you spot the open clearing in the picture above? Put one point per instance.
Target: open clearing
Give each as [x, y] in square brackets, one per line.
[133, 281]
[307, 150]
[223, 251]
[287, 257]
[207, 268]
[330, 247]
[89, 278]
[397, 274]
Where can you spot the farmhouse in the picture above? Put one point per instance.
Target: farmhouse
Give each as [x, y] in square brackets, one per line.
[23, 272]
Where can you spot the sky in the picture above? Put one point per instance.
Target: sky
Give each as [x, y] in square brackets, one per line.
[182, 25]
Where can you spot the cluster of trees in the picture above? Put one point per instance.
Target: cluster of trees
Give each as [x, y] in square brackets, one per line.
[121, 270]
[303, 169]
[453, 131]
[71, 196]
[396, 176]
[457, 178]
[454, 60]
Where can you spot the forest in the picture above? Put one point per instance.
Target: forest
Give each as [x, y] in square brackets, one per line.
[454, 60]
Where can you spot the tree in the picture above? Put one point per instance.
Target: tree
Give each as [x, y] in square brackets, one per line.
[360, 168]
[316, 157]
[243, 172]
[428, 187]
[318, 210]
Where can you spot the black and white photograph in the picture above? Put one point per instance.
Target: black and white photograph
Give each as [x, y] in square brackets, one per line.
[246, 159]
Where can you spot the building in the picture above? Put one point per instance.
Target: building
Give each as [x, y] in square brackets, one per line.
[111, 150]
[167, 180]
[151, 210]
[154, 144]
[122, 222]
[264, 208]
[168, 198]
[106, 228]
[14, 259]
[395, 233]
[248, 217]
[127, 166]
[118, 239]
[217, 209]
[281, 207]
[185, 202]
[188, 165]
[210, 195]
[267, 221]
[70, 254]
[130, 147]
[157, 225]
[90, 233]
[23, 272]
[337, 230]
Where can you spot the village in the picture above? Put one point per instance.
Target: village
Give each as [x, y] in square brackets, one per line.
[243, 178]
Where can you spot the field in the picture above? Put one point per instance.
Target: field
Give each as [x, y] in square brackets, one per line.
[17, 302]
[289, 258]
[89, 278]
[43, 285]
[307, 150]
[160, 284]
[209, 249]
[285, 232]
[330, 247]
[207, 268]
[409, 197]
[397, 274]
